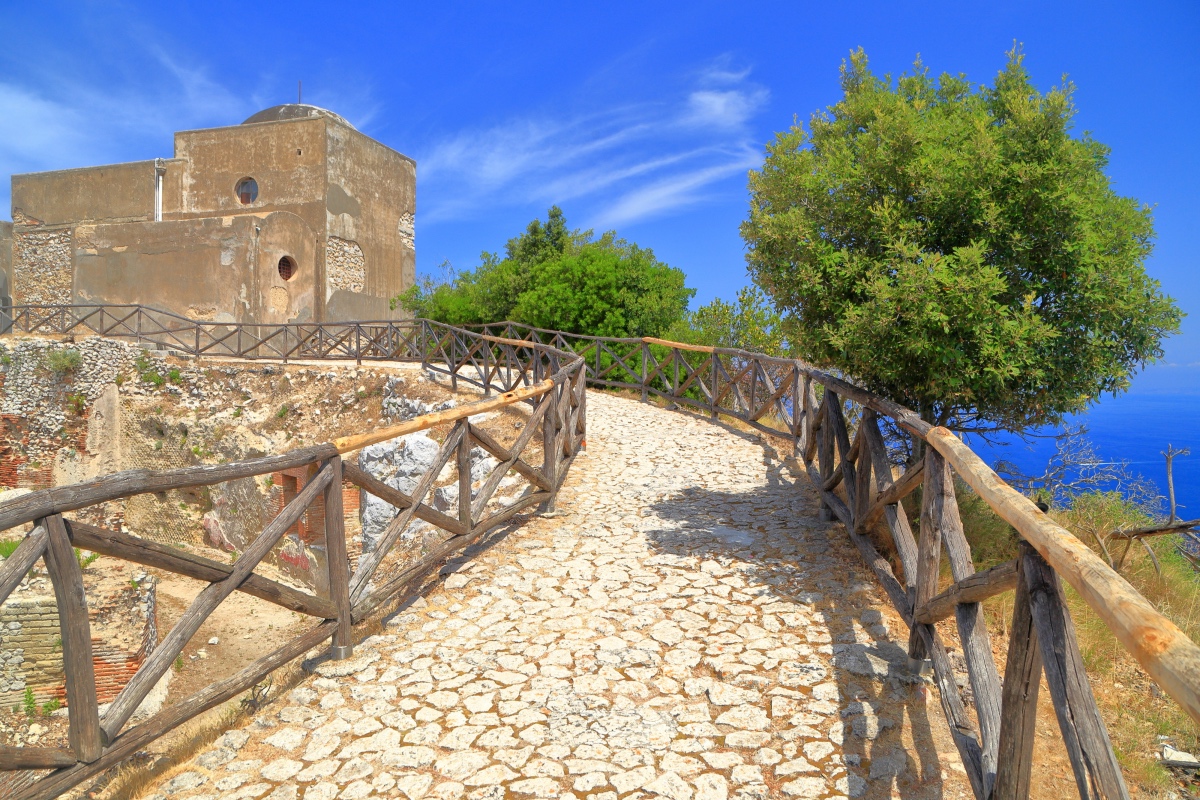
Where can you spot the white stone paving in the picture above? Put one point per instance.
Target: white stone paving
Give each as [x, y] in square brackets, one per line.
[685, 628]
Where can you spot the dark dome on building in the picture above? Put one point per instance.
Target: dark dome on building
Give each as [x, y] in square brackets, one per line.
[295, 111]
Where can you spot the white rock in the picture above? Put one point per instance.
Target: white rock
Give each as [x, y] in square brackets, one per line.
[805, 787]
[492, 776]
[413, 785]
[287, 738]
[711, 786]
[281, 769]
[748, 718]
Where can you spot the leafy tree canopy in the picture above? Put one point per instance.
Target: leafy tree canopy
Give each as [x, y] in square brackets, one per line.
[552, 277]
[954, 247]
[749, 323]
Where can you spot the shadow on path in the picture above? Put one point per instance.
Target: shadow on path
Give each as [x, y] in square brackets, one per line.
[771, 536]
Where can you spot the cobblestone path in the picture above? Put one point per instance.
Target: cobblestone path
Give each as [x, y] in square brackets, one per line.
[685, 628]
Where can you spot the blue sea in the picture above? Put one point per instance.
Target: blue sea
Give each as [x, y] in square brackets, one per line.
[1135, 428]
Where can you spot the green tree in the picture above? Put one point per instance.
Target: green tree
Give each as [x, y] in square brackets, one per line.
[749, 323]
[957, 249]
[552, 277]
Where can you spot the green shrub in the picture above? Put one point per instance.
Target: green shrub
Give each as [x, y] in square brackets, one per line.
[85, 561]
[64, 361]
[283, 411]
[77, 403]
[175, 375]
[8, 547]
[147, 372]
[29, 702]
[50, 706]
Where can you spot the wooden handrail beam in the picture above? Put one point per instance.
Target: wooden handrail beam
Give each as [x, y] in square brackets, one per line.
[60, 499]
[17, 566]
[152, 554]
[365, 480]
[12, 758]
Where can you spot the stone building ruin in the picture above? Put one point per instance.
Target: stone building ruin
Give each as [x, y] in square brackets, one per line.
[291, 216]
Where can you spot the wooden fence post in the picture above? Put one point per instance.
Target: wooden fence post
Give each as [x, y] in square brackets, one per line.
[1018, 715]
[487, 369]
[825, 452]
[712, 398]
[464, 476]
[645, 366]
[972, 627]
[675, 356]
[549, 446]
[929, 554]
[74, 628]
[337, 562]
[1097, 773]
[424, 345]
[797, 412]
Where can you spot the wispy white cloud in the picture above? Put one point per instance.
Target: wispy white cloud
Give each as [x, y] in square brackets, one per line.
[724, 109]
[33, 126]
[71, 120]
[675, 191]
[624, 163]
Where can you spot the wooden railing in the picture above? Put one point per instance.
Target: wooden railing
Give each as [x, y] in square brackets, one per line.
[836, 431]
[549, 380]
[840, 435]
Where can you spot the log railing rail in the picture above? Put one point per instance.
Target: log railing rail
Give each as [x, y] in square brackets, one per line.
[835, 428]
[550, 381]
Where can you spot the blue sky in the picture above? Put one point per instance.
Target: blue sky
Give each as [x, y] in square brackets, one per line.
[643, 117]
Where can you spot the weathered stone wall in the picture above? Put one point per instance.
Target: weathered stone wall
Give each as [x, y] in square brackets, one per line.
[6, 248]
[42, 265]
[39, 437]
[371, 200]
[407, 228]
[345, 266]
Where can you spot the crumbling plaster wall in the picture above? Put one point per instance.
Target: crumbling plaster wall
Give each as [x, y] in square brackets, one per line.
[370, 200]
[218, 269]
[113, 193]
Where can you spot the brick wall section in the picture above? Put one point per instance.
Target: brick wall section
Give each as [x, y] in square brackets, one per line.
[311, 526]
[31, 651]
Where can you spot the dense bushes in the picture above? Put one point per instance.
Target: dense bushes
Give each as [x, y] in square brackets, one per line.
[565, 280]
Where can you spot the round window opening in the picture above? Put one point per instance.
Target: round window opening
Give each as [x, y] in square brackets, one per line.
[287, 268]
[246, 191]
